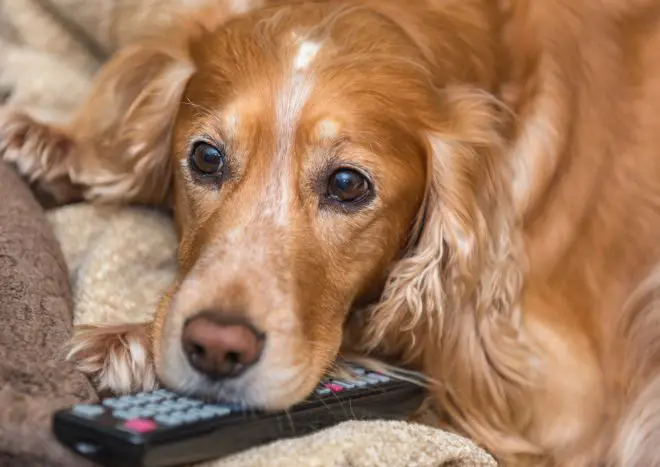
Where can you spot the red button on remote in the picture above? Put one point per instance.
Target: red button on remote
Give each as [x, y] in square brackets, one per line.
[140, 425]
[334, 387]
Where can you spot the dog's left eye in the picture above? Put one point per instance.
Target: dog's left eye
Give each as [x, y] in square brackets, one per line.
[348, 186]
[207, 159]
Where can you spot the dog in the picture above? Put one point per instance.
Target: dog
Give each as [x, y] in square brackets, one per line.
[466, 188]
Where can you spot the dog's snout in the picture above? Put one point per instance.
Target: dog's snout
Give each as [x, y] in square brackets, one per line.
[221, 348]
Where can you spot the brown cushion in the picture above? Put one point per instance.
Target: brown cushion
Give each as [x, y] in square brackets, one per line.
[35, 312]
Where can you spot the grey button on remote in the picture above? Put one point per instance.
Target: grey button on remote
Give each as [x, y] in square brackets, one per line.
[370, 380]
[86, 448]
[188, 401]
[167, 420]
[126, 414]
[217, 410]
[344, 384]
[164, 393]
[88, 410]
[145, 413]
[380, 378]
[190, 417]
[205, 414]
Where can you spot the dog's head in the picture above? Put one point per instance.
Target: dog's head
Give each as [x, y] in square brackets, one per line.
[321, 161]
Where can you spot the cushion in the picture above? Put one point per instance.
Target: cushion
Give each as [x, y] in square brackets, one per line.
[35, 311]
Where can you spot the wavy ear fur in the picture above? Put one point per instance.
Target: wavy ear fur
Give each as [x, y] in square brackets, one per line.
[116, 147]
[451, 306]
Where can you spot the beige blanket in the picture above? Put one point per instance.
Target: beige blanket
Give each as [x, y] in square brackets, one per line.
[121, 259]
[50, 49]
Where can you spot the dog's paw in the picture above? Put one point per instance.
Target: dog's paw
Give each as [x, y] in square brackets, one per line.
[39, 151]
[41, 154]
[116, 357]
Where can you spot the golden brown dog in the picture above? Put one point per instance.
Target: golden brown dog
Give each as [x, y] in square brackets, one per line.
[467, 187]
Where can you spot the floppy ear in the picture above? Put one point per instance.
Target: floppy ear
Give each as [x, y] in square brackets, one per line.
[452, 304]
[128, 119]
[124, 127]
[116, 146]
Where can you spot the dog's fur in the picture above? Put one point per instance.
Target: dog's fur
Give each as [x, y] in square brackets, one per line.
[510, 251]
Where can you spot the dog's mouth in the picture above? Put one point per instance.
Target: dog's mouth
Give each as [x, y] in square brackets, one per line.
[284, 375]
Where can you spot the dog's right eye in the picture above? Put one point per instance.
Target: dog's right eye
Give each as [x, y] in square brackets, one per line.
[207, 159]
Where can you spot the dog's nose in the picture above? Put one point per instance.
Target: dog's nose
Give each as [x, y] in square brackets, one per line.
[221, 348]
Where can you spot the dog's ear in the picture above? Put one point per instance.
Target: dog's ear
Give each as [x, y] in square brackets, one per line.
[116, 146]
[125, 124]
[455, 294]
[451, 306]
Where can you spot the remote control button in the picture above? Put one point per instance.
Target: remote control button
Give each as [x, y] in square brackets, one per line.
[323, 391]
[178, 416]
[140, 399]
[360, 383]
[357, 370]
[370, 380]
[205, 414]
[111, 402]
[162, 409]
[216, 410]
[164, 393]
[88, 410]
[190, 417]
[118, 405]
[148, 396]
[145, 413]
[124, 414]
[167, 420]
[344, 384]
[179, 406]
[334, 387]
[379, 377]
[140, 425]
[86, 448]
[189, 402]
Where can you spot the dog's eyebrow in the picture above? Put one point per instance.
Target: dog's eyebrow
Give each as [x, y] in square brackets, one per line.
[327, 129]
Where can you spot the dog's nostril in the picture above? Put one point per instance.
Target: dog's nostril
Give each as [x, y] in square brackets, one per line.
[220, 348]
[196, 351]
[233, 357]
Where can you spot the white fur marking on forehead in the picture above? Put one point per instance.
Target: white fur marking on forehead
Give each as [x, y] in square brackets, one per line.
[306, 53]
[327, 129]
[290, 102]
[231, 121]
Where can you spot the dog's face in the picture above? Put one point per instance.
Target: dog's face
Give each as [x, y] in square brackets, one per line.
[299, 174]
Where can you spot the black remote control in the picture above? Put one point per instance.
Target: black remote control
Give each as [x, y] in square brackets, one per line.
[160, 428]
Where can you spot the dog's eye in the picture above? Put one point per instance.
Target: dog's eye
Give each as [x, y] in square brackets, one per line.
[348, 186]
[207, 159]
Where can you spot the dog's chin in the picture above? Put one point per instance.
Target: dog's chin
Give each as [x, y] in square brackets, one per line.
[268, 385]
[247, 396]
